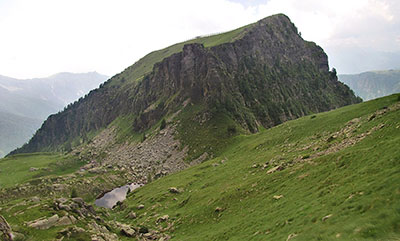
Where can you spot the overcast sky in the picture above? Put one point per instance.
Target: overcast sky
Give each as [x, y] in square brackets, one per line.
[42, 37]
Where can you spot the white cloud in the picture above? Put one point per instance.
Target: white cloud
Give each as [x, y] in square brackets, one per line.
[42, 37]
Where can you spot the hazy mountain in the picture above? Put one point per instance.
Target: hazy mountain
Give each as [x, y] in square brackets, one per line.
[25, 104]
[15, 130]
[355, 60]
[373, 84]
[40, 97]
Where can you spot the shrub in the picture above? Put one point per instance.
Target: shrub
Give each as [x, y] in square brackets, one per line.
[74, 193]
[163, 124]
[231, 129]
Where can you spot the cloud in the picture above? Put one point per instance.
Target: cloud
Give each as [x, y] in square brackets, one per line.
[358, 35]
[42, 37]
[45, 36]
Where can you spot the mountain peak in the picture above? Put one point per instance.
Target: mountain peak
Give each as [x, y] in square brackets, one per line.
[275, 17]
[258, 75]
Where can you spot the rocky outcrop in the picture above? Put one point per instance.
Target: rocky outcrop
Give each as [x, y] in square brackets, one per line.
[75, 205]
[267, 76]
[5, 229]
[44, 223]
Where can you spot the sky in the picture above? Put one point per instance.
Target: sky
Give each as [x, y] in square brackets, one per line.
[43, 37]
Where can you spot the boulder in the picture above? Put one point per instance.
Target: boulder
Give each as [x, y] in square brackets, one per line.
[64, 207]
[66, 220]
[131, 215]
[165, 238]
[79, 201]
[44, 223]
[162, 218]
[58, 187]
[218, 209]
[5, 229]
[173, 190]
[67, 232]
[326, 217]
[275, 169]
[126, 230]
[35, 199]
[292, 235]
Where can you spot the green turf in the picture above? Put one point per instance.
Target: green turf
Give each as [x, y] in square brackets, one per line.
[145, 65]
[351, 193]
[16, 169]
[357, 187]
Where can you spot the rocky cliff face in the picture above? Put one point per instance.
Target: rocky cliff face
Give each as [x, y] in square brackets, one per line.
[264, 77]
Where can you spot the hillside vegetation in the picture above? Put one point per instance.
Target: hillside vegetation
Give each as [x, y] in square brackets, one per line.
[327, 176]
[321, 177]
[203, 132]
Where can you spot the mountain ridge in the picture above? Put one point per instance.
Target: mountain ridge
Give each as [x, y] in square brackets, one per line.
[243, 140]
[270, 56]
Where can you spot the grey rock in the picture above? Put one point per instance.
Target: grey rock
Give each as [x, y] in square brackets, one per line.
[326, 217]
[162, 218]
[44, 223]
[5, 228]
[127, 231]
[131, 215]
[64, 221]
[35, 199]
[275, 169]
[173, 190]
[79, 201]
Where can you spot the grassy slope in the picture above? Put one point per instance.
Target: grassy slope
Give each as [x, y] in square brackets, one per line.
[357, 185]
[16, 169]
[145, 65]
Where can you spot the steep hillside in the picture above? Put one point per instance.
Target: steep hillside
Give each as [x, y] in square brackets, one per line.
[326, 176]
[371, 85]
[25, 104]
[257, 76]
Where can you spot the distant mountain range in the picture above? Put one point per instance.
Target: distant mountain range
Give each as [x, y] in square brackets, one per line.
[373, 84]
[25, 104]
